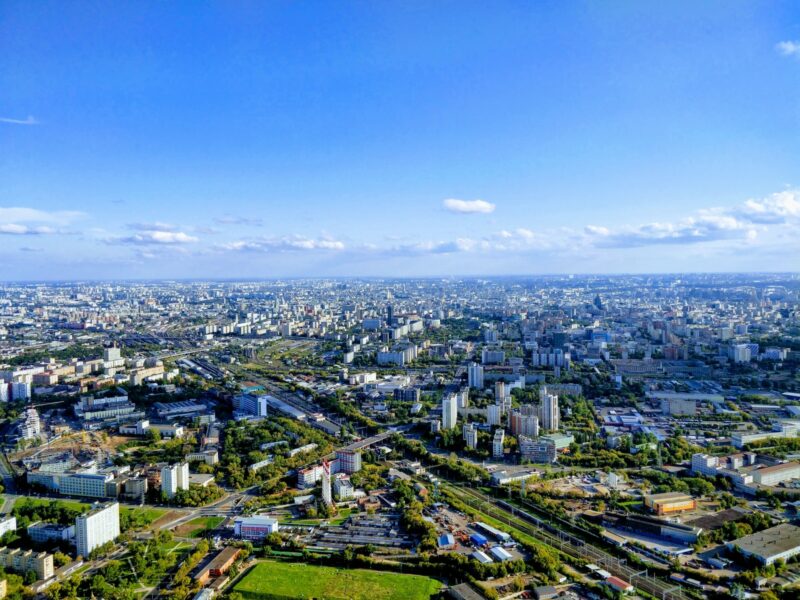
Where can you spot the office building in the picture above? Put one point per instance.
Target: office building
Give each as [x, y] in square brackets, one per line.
[96, 528]
[254, 528]
[43, 533]
[536, 450]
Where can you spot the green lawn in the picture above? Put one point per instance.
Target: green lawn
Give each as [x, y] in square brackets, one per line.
[285, 581]
[202, 525]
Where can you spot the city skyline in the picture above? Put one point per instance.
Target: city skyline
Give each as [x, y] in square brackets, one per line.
[308, 140]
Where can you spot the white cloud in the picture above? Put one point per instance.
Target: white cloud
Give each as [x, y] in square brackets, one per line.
[17, 220]
[29, 121]
[293, 243]
[18, 214]
[18, 229]
[155, 237]
[788, 48]
[779, 207]
[468, 206]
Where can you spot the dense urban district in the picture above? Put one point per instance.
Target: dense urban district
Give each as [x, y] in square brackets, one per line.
[553, 437]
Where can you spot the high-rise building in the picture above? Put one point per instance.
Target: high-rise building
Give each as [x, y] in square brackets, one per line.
[470, 434]
[20, 390]
[349, 461]
[96, 528]
[327, 498]
[493, 414]
[475, 376]
[548, 410]
[174, 478]
[499, 392]
[449, 411]
[524, 421]
[497, 443]
[30, 427]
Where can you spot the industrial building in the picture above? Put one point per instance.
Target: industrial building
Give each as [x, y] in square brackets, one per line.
[669, 503]
[779, 542]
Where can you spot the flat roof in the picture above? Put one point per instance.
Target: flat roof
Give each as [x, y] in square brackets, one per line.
[770, 542]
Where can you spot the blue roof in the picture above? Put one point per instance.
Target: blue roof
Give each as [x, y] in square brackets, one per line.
[478, 539]
[446, 539]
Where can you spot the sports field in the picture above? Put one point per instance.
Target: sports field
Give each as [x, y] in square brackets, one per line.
[284, 581]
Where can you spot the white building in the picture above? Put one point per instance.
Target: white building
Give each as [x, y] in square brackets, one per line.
[8, 524]
[96, 528]
[497, 443]
[493, 414]
[30, 427]
[449, 411]
[470, 435]
[549, 414]
[254, 528]
[475, 376]
[174, 478]
[327, 498]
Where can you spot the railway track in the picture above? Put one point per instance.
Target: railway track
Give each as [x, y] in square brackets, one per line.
[567, 543]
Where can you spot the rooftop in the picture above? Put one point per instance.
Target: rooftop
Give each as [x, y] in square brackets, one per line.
[770, 542]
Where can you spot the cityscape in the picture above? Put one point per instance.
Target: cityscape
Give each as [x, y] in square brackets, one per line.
[399, 300]
[569, 436]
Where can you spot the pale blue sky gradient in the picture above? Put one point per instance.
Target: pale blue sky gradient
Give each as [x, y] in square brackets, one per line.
[322, 138]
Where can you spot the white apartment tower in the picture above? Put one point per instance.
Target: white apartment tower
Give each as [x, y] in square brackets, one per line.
[96, 528]
[449, 411]
[327, 498]
[470, 435]
[174, 478]
[475, 376]
[497, 443]
[548, 411]
[494, 414]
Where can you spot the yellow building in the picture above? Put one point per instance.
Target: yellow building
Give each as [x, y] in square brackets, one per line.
[669, 503]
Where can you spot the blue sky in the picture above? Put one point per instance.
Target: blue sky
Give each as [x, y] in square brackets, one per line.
[263, 139]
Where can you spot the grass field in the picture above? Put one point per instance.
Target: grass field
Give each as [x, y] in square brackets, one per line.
[285, 581]
[198, 527]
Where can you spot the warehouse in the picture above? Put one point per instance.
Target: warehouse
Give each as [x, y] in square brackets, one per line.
[780, 542]
[669, 503]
